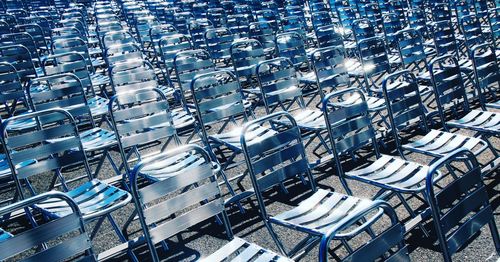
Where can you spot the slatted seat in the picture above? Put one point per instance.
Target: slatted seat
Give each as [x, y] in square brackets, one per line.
[61, 239]
[486, 73]
[242, 250]
[406, 110]
[481, 121]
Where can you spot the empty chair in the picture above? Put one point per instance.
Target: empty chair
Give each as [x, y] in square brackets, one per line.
[245, 55]
[195, 188]
[461, 207]
[218, 41]
[170, 46]
[75, 244]
[77, 45]
[280, 157]
[487, 75]
[265, 34]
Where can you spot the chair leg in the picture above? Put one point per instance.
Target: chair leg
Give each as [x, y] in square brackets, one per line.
[121, 237]
[494, 235]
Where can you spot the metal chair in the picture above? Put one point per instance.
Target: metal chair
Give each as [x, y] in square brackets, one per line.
[218, 41]
[195, 188]
[486, 73]
[279, 157]
[33, 242]
[460, 208]
[97, 200]
[245, 55]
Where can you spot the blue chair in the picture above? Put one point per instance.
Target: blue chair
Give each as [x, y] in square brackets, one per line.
[265, 34]
[195, 188]
[142, 26]
[407, 112]
[280, 157]
[446, 43]
[461, 207]
[197, 29]
[32, 243]
[218, 41]
[494, 27]
[97, 200]
[487, 75]
[245, 55]
[170, 46]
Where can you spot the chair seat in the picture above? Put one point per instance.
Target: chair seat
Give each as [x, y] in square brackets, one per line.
[4, 235]
[99, 80]
[439, 143]
[374, 103]
[394, 174]
[98, 106]
[310, 119]
[308, 78]
[240, 250]
[481, 121]
[494, 105]
[182, 118]
[354, 67]
[93, 198]
[98, 62]
[170, 167]
[97, 138]
[232, 139]
[321, 212]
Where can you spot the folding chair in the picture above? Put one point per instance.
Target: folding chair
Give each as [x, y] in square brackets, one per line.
[460, 208]
[280, 90]
[197, 29]
[218, 41]
[265, 34]
[96, 199]
[218, 101]
[487, 75]
[195, 188]
[350, 130]
[61, 239]
[245, 55]
[407, 112]
[279, 157]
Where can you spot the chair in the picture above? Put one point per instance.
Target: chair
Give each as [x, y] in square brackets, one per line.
[218, 41]
[197, 29]
[195, 187]
[328, 36]
[280, 157]
[75, 245]
[350, 130]
[487, 76]
[96, 199]
[169, 47]
[265, 34]
[76, 44]
[407, 112]
[280, 90]
[446, 43]
[460, 208]
[245, 55]
[38, 35]
[219, 101]
[25, 40]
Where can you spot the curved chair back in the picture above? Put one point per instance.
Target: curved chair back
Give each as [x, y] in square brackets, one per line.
[245, 55]
[330, 67]
[291, 45]
[197, 29]
[486, 72]
[132, 75]
[20, 57]
[328, 36]
[218, 41]
[11, 88]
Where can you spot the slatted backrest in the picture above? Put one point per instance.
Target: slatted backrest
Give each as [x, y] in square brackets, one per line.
[180, 201]
[362, 28]
[373, 54]
[373, 13]
[275, 158]
[218, 41]
[411, 47]
[74, 44]
[238, 24]
[494, 23]
[471, 28]
[156, 32]
[330, 67]
[245, 55]
[140, 117]
[486, 71]
[132, 75]
[37, 33]
[11, 87]
[217, 97]
[180, 21]
[71, 62]
[460, 207]
[121, 53]
[294, 23]
[188, 64]
[117, 37]
[270, 16]
[291, 45]
[279, 85]
[328, 35]
[65, 237]
[448, 85]
[197, 28]
[20, 57]
[322, 18]
[444, 38]
[24, 39]
[217, 16]
[392, 25]
[142, 26]
[441, 12]
[262, 32]
[403, 100]
[417, 19]
[31, 155]
[349, 124]
[346, 15]
[170, 46]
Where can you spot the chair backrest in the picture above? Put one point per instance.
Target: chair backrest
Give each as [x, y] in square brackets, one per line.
[132, 75]
[264, 33]
[218, 98]
[449, 88]
[486, 71]
[294, 23]
[328, 36]
[197, 29]
[217, 16]
[471, 28]
[346, 15]
[238, 24]
[330, 67]
[245, 55]
[156, 32]
[411, 49]
[65, 238]
[392, 25]
[31, 155]
[270, 16]
[362, 28]
[170, 46]
[349, 123]
[320, 19]
[441, 12]
[279, 85]
[117, 37]
[275, 158]
[218, 41]
[291, 45]
[373, 54]
[37, 33]
[460, 208]
[494, 23]
[417, 20]
[143, 25]
[78, 45]
[404, 103]
[11, 88]
[140, 117]
[444, 38]
[20, 57]
[180, 201]
[24, 39]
